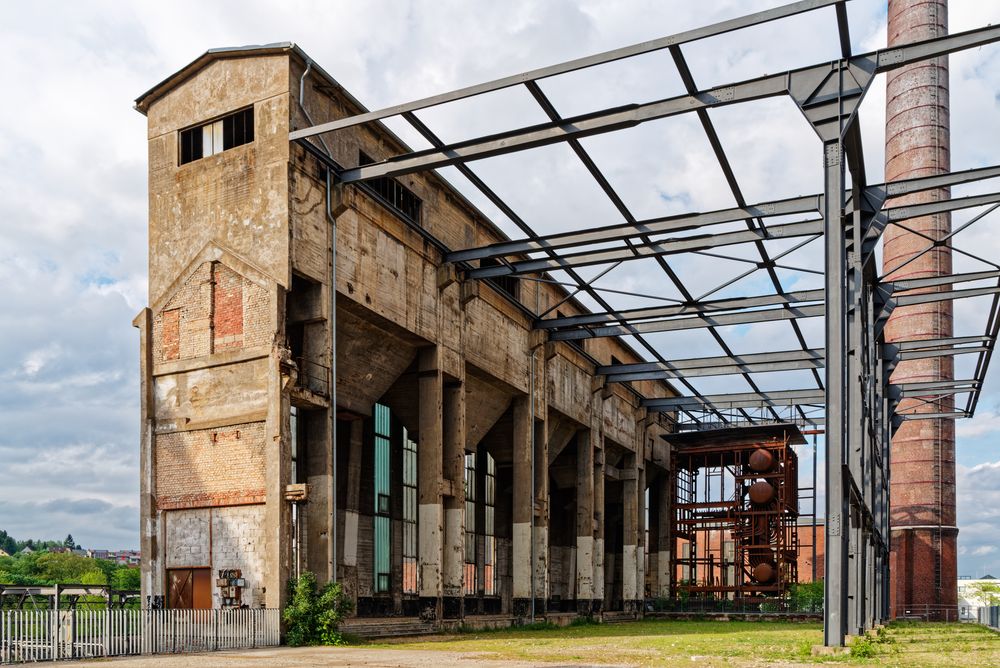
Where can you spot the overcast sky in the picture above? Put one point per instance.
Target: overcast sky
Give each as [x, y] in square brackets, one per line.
[73, 192]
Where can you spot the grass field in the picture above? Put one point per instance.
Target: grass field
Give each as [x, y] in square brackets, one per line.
[670, 643]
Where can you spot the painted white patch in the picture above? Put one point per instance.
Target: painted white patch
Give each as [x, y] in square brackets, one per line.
[452, 575]
[541, 562]
[630, 571]
[522, 560]
[429, 548]
[350, 538]
[599, 566]
[663, 572]
[584, 566]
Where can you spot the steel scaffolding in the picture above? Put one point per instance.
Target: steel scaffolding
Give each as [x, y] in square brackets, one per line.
[857, 402]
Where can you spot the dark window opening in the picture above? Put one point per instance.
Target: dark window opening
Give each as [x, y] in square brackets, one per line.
[506, 284]
[392, 193]
[220, 135]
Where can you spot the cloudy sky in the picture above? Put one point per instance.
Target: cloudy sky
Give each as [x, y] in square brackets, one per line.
[73, 191]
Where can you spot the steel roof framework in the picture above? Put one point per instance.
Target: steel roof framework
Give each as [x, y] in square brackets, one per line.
[857, 402]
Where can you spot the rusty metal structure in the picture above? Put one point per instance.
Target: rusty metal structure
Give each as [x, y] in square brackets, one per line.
[736, 507]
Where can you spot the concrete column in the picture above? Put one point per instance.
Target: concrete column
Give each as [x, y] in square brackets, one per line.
[523, 501]
[630, 532]
[640, 561]
[585, 520]
[429, 469]
[598, 519]
[541, 533]
[454, 502]
[277, 472]
[152, 574]
[664, 547]
[348, 549]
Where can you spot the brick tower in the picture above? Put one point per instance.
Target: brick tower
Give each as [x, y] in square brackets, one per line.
[924, 536]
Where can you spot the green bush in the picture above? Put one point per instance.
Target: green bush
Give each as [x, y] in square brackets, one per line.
[863, 647]
[313, 614]
[807, 597]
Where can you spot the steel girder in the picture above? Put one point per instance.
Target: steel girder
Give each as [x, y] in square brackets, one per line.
[858, 399]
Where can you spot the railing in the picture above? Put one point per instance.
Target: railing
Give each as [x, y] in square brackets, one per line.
[313, 376]
[47, 635]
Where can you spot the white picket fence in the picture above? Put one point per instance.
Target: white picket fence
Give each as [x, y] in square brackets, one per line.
[47, 635]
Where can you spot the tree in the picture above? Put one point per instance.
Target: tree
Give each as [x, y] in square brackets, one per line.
[987, 592]
[69, 542]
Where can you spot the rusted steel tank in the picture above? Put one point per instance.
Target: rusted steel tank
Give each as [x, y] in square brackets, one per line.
[761, 492]
[761, 460]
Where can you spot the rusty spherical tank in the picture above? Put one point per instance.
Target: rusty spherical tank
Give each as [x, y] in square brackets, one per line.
[763, 573]
[761, 460]
[761, 492]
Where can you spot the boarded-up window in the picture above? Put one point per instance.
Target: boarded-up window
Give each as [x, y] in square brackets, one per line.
[171, 334]
[227, 308]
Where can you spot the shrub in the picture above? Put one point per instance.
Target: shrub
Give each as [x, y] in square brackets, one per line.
[862, 647]
[313, 614]
[807, 597]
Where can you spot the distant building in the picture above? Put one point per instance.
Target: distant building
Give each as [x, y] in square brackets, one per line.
[3, 553]
[805, 542]
[970, 599]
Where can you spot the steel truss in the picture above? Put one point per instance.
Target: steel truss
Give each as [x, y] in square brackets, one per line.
[857, 403]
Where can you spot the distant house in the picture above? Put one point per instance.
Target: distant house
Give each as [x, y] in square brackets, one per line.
[3, 553]
[27, 550]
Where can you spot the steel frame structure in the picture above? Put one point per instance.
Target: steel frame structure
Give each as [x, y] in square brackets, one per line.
[856, 401]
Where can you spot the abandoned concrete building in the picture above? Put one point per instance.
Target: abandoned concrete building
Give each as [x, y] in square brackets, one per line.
[476, 466]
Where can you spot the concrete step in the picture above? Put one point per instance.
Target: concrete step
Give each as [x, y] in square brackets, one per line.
[387, 627]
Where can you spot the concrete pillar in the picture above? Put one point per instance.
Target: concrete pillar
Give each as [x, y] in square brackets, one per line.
[541, 533]
[347, 558]
[922, 513]
[429, 469]
[454, 502]
[598, 520]
[152, 574]
[277, 472]
[630, 532]
[640, 561]
[523, 501]
[664, 546]
[585, 520]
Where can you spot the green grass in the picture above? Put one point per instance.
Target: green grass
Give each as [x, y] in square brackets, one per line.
[707, 643]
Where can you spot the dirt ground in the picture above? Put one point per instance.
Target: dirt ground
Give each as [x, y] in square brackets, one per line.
[306, 657]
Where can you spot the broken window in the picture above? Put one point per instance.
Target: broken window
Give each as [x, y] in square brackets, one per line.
[470, 524]
[392, 193]
[382, 521]
[220, 135]
[409, 514]
[489, 530]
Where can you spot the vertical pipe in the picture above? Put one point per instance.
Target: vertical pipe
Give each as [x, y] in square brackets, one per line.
[332, 553]
[531, 522]
[815, 509]
[922, 451]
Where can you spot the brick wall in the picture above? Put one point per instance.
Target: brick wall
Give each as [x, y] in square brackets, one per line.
[210, 467]
[214, 310]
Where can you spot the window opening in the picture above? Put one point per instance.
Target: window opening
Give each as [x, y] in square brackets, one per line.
[382, 523]
[409, 514]
[490, 541]
[392, 193]
[469, 576]
[220, 135]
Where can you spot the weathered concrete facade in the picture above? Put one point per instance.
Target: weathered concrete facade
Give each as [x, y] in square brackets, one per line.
[461, 464]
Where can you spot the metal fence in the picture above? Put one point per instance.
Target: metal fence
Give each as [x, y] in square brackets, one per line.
[47, 635]
[990, 616]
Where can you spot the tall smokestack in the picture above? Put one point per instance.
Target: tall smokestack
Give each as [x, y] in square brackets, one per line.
[923, 562]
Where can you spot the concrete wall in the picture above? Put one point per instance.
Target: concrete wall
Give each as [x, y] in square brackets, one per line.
[454, 359]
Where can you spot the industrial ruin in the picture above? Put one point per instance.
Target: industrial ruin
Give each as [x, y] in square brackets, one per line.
[347, 367]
